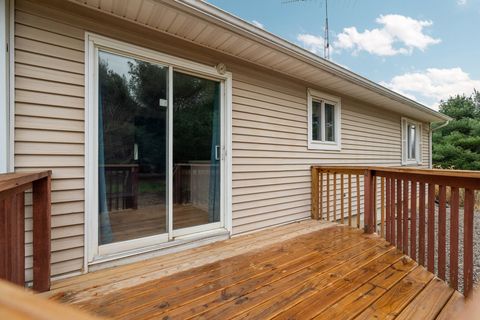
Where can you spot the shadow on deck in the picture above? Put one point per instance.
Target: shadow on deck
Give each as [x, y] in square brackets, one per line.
[303, 270]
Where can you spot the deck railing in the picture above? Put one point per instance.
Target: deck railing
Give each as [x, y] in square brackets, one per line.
[408, 207]
[13, 187]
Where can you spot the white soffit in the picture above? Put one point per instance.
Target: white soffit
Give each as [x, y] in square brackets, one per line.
[206, 25]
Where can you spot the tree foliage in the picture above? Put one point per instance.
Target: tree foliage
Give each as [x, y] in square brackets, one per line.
[457, 145]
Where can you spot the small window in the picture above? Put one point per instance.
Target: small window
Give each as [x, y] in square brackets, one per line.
[323, 121]
[411, 142]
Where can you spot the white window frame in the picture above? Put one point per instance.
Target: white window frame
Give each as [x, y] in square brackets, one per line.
[93, 252]
[314, 95]
[418, 143]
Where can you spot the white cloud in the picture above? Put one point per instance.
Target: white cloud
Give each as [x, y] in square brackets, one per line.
[311, 42]
[398, 35]
[461, 2]
[258, 24]
[433, 85]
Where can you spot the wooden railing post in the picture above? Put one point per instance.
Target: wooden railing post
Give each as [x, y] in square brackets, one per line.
[41, 234]
[468, 243]
[369, 187]
[315, 193]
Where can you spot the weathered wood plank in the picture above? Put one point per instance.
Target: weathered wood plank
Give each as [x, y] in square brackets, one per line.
[455, 306]
[355, 302]
[429, 303]
[398, 297]
[335, 273]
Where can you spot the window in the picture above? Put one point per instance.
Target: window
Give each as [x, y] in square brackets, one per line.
[323, 121]
[411, 142]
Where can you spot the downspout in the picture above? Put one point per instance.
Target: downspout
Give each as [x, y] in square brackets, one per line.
[430, 132]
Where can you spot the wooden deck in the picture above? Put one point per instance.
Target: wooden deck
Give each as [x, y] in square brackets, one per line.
[306, 270]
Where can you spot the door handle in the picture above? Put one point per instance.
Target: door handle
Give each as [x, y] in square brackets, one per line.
[217, 152]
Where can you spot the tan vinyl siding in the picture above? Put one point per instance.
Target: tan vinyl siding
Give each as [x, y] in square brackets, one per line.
[49, 128]
[271, 161]
[270, 140]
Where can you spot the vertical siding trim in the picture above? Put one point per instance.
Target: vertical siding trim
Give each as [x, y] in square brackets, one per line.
[11, 85]
[4, 76]
[88, 167]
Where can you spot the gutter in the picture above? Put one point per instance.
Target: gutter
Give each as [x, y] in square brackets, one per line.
[440, 126]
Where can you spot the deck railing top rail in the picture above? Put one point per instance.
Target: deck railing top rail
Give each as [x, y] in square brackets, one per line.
[407, 206]
[17, 179]
[410, 170]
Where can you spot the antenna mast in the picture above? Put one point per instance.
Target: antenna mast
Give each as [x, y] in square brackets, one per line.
[326, 39]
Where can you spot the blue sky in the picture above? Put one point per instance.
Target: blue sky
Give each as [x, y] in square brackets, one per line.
[425, 49]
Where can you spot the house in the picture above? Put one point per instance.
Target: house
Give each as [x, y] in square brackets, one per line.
[263, 102]
[168, 125]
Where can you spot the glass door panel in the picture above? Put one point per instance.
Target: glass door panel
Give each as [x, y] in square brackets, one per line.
[196, 151]
[132, 148]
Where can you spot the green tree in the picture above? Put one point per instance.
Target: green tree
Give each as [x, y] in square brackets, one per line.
[457, 145]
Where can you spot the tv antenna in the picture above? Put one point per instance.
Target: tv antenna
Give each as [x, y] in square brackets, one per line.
[326, 37]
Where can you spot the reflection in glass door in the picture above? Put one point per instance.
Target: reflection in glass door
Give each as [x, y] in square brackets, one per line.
[132, 148]
[196, 151]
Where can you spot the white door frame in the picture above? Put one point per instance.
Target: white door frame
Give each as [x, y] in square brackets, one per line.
[6, 77]
[94, 252]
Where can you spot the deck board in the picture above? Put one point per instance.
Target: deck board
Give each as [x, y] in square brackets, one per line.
[329, 272]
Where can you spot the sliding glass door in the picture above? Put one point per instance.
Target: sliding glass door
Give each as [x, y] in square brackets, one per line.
[196, 151]
[159, 151]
